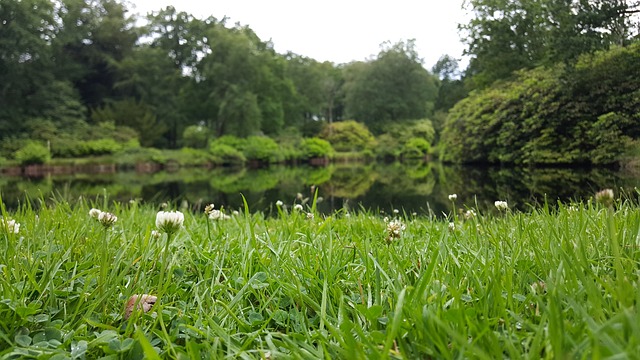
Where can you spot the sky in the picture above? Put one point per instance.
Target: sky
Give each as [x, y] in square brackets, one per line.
[339, 31]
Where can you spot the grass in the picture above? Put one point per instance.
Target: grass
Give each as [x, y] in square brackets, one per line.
[551, 283]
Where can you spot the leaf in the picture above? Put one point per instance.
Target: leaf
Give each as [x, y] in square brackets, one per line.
[255, 317]
[23, 340]
[25, 311]
[149, 352]
[78, 349]
[53, 333]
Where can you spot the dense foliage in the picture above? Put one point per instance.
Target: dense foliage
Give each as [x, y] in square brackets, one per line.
[548, 81]
[585, 113]
[171, 80]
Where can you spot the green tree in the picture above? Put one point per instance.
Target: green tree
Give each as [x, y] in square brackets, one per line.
[395, 86]
[135, 115]
[96, 35]
[505, 35]
[26, 30]
[318, 86]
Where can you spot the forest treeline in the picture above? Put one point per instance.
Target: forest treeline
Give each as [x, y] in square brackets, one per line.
[549, 81]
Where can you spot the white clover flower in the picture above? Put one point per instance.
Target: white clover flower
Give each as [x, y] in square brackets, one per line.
[208, 209]
[279, 203]
[414, 214]
[94, 213]
[469, 214]
[299, 196]
[453, 197]
[385, 219]
[107, 219]
[169, 221]
[394, 230]
[297, 207]
[501, 205]
[11, 225]
[155, 234]
[396, 211]
[310, 216]
[605, 197]
[452, 226]
[217, 215]
[235, 213]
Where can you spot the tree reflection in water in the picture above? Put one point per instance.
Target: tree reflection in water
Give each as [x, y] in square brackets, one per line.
[414, 187]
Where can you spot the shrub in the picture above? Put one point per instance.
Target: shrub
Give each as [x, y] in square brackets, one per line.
[193, 157]
[101, 147]
[230, 140]
[262, 149]
[195, 136]
[225, 154]
[388, 147]
[32, 153]
[416, 148]
[348, 136]
[315, 148]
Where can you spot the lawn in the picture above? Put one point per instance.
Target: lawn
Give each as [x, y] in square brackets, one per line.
[555, 282]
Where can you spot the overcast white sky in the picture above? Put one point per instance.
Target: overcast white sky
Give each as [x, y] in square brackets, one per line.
[337, 30]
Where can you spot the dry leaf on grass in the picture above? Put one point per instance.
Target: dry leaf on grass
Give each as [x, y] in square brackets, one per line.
[145, 302]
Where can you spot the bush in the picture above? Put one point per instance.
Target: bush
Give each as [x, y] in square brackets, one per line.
[388, 147]
[230, 140]
[195, 136]
[416, 148]
[193, 157]
[315, 148]
[348, 136]
[262, 149]
[101, 147]
[225, 154]
[32, 153]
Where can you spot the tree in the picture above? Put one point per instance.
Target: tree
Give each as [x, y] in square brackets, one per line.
[96, 36]
[395, 86]
[506, 35]
[317, 87]
[135, 115]
[451, 89]
[26, 30]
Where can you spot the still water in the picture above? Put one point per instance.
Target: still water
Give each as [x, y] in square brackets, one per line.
[422, 188]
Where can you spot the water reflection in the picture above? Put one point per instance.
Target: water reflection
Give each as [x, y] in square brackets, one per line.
[412, 187]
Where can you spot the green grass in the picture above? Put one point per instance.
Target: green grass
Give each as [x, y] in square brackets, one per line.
[559, 283]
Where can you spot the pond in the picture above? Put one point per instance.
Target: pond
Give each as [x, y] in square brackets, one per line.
[421, 188]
